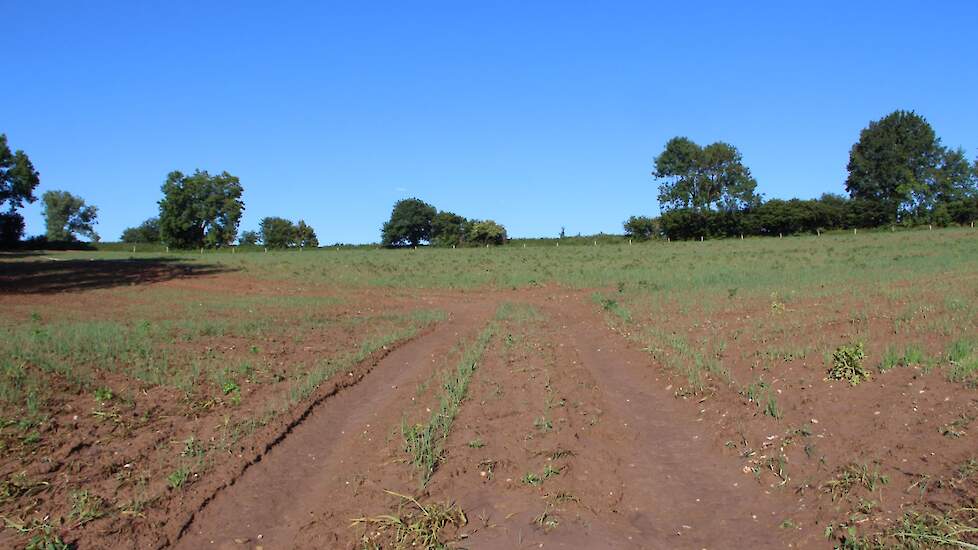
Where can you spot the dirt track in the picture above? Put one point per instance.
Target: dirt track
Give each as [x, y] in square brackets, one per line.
[641, 471]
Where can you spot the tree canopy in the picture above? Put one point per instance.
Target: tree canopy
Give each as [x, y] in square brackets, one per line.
[249, 238]
[200, 209]
[146, 232]
[18, 178]
[899, 165]
[703, 178]
[276, 232]
[449, 229]
[305, 236]
[641, 228]
[282, 233]
[409, 224]
[485, 232]
[66, 216]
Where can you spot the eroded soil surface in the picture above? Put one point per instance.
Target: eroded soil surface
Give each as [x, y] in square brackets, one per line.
[571, 435]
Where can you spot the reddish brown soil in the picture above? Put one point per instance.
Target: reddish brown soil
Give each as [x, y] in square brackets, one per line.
[637, 466]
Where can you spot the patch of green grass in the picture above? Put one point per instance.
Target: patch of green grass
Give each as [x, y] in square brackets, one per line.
[325, 369]
[611, 305]
[518, 312]
[85, 507]
[103, 395]
[178, 478]
[424, 442]
[962, 356]
[532, 479]
[851, 476]
[771, 407]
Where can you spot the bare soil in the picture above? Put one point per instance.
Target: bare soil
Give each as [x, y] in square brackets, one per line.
[631, 465]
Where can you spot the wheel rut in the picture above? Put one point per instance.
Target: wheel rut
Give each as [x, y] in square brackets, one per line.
[669, 484]
[679, 490]
[312, 468]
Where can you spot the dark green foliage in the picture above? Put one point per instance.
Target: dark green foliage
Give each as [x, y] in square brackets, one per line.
[249, 238]
[146, 232]
[900, 167]
[66, 216]
[277, 232]
[18, 178]
[703, 178]
[282, 233]
[898, 173]
[641, 228]
[305, 235]
[687, 223]
[847, 364]
[200, 209]
[409, 225]
[449, 229]
[485, 232]
[11, 228]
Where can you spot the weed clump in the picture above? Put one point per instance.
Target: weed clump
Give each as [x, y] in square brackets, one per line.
[852, 476]
[422, 528]
[847, 364]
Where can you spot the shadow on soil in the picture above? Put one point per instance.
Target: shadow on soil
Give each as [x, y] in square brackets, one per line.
[46, 275]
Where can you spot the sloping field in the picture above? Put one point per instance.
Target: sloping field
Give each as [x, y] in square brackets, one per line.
[801, 392]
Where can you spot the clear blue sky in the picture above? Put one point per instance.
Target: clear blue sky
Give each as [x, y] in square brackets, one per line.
[535, 114]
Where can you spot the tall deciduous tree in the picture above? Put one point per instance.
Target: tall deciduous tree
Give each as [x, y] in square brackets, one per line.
[305, 235]
[18, 178]
[410, 223]
[703, 178]
[449, 229]
[277, 232]
[200, 209]
[66, 216]
[486, 232]
[895, 163]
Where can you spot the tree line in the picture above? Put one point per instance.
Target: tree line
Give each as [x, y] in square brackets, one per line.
[413, 222]
[899, 174]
